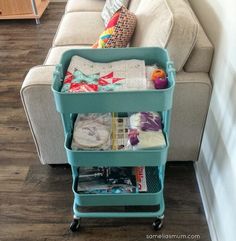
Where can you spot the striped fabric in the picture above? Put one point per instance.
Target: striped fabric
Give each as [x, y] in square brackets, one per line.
[110, 7]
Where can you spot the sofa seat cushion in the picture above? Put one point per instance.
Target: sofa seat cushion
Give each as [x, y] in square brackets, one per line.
[85, 5]
[169, 24]
[55, 53]
[78, 28]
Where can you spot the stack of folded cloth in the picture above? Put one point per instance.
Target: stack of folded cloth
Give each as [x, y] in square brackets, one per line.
[92, 132]
[146, 131]
[97, 132]
[84, 75]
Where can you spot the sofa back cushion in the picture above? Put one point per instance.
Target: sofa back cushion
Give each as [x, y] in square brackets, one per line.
[167, 24]
[133, 5]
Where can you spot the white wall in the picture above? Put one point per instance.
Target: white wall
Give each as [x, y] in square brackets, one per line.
[216, 168]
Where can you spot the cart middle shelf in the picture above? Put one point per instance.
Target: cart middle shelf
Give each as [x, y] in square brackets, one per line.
[151, 157]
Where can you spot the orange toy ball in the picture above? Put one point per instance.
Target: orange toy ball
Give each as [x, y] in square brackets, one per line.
[158, 73]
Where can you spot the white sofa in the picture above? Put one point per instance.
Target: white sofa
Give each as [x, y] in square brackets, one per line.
[165, 23]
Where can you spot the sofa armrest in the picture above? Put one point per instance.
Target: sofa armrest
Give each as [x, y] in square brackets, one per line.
[41, 74]
[44, 121]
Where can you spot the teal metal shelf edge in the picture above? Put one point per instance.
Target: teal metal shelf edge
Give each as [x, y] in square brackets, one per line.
[69, 104]
[153, 196]
[132, 199]
[153, 157]
[120, 101]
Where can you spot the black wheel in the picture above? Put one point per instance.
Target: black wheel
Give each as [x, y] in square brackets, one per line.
[158, 224]
[75, 224]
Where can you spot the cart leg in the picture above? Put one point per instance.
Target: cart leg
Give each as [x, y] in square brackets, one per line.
[37, 21]
[158, 223]
[75, 224]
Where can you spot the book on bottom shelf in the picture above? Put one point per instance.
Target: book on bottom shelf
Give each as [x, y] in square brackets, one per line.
[112, 180]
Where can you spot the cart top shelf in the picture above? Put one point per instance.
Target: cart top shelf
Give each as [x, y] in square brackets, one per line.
[117, 101]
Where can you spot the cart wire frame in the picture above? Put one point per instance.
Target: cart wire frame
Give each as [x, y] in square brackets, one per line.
[100, 102]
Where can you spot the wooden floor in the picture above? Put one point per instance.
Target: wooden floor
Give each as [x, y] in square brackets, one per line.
[35, 200]
[23, 44]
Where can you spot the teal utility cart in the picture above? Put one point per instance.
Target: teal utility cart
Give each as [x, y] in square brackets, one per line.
[70, 104]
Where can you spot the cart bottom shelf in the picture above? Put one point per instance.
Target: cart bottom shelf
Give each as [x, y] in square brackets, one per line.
[153, 196]
[130, 214]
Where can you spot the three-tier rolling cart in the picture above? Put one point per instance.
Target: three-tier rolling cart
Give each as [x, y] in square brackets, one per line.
[70, 104]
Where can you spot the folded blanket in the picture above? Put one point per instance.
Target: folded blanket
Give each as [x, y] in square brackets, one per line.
[146, 131]
[151, 139]
[84, 75]
[92, 132]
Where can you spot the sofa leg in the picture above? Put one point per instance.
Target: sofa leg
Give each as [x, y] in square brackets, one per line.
[65, 166]
[37, 21]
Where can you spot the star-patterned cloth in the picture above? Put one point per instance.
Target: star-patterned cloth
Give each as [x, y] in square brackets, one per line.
[80, 82]
[84, 75]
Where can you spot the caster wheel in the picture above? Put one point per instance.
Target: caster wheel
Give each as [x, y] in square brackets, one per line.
[74, 226]
[158, 224]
